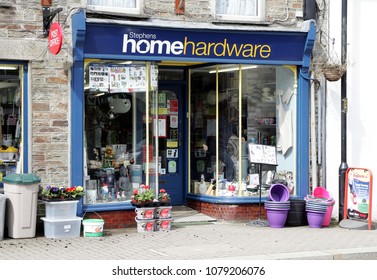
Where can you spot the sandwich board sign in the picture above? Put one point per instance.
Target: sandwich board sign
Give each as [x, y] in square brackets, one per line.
[358, 195]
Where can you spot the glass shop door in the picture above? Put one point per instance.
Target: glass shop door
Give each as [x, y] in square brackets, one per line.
[171, 140]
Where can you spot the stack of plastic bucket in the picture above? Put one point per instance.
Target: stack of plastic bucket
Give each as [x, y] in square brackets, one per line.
[277, 207]
[322, 193]
[315, 211]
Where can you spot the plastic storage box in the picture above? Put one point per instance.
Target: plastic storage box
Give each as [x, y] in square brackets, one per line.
[61, 209]
[64, 228]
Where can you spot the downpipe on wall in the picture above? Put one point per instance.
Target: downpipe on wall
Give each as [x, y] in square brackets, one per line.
[344, 108]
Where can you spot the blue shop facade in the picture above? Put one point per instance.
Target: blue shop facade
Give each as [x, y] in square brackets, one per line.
[188, 110]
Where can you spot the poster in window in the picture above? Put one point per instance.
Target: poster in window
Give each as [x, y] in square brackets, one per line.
[119, 78]
[173, 106]
[98, 77]
[160, 127]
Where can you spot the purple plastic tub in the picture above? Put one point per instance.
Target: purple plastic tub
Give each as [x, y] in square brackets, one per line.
[278, 192]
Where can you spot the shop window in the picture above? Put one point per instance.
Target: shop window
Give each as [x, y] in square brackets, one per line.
[117, 6]
[116, 129]
[240, 10]
[233, 108]
[11, 89]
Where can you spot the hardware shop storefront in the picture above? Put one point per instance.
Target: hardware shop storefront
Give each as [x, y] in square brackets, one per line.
[184, 110]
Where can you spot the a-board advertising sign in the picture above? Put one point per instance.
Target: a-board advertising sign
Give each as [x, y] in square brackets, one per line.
[358, 195]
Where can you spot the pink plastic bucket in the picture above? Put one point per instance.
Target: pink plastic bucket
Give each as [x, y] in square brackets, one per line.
[327, 219]
[278, 192]
[320, 192]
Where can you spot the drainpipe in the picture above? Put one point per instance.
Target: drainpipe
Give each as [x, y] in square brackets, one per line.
[343, 166]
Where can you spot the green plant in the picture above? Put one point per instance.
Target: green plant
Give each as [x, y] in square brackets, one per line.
[144, 194]
[52, 192]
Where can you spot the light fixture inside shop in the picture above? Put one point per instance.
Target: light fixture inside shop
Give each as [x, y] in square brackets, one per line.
[8, 67]
[128, 62]
[233, 69]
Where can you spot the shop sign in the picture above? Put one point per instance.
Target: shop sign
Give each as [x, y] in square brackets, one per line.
[55, 38]
[204, 45]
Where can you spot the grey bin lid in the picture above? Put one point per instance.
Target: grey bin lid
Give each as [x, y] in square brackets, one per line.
[21, 179]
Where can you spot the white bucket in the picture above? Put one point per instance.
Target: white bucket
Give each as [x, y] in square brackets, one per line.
[163, 212]
[145, 225]
[93, 227]
[145, 213]
[163, 224]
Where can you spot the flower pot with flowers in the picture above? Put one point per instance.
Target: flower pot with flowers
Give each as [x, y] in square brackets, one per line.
[143, 197]
[54, 193]
[163, 197]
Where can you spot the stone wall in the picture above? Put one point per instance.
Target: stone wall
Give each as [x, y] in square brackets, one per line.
[22, 39]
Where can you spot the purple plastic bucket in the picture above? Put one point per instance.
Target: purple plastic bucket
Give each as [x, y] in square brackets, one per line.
[315, 219]
[277, 205]
[278, 192]
[276, 218]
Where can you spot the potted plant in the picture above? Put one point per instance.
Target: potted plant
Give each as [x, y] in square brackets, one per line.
[163, 197]
[54, 193]
[333, 71]
[143, 196]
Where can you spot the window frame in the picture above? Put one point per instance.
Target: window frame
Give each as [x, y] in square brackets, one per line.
[108, 9]
[261, 13]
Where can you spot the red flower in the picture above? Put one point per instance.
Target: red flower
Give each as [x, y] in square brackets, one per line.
[162, 190]
[136, 192]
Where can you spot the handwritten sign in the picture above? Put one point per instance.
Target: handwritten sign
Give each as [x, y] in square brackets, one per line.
[262, 154]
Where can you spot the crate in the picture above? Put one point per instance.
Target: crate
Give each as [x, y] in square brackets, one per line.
[163, 212]
[61, 209]
[163, 224]
[64, 228]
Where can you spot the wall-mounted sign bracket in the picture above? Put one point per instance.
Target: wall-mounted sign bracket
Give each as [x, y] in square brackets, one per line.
[48, 16]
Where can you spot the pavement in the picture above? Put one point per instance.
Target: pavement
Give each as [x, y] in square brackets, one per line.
[194, 236]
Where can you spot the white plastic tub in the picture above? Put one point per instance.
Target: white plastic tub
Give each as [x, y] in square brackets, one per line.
[64, 228]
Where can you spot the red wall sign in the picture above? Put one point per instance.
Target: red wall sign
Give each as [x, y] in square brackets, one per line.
[55, 38]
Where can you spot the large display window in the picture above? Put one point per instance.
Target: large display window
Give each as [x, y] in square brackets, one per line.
[232, 107]
[120, 148]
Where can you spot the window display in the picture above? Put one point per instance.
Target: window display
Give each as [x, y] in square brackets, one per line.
[230, 110]
[115, 129]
